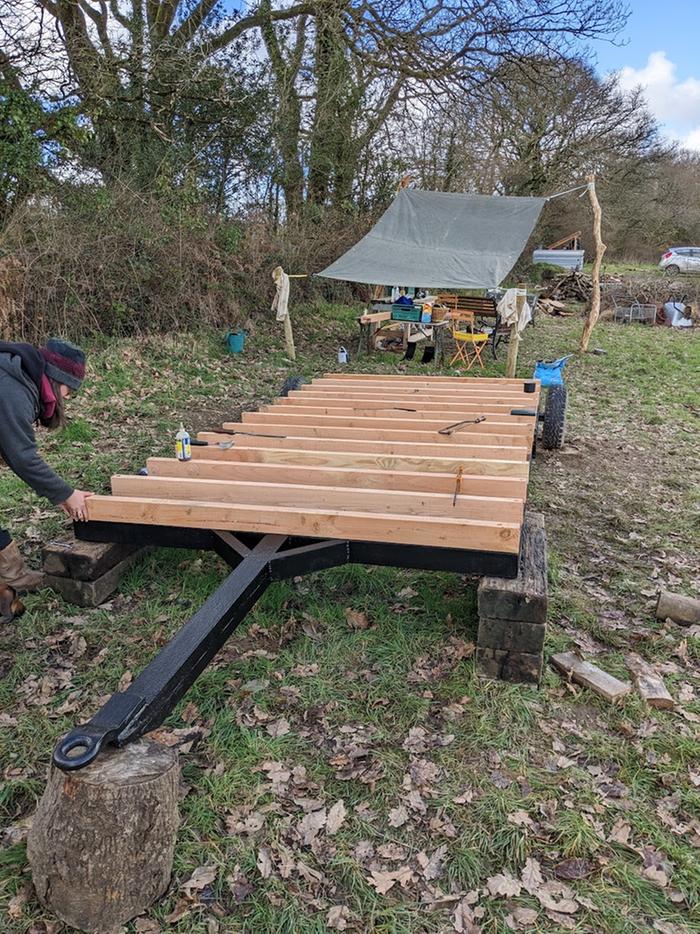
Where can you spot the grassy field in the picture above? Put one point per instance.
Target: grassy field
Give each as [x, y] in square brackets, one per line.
[465, 806]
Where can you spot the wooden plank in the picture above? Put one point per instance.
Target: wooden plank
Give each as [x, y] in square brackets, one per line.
[396, 406]
[451, 380]
[373, 390]
[649, 683]
[455, 449]
[315, 523]
[408, 401]
[400, 421]
[353, 477]
[339, 432]
[339, 499]
[591, 676]
[471, 465]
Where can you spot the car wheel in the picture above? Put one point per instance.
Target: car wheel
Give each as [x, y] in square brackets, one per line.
[672, 270]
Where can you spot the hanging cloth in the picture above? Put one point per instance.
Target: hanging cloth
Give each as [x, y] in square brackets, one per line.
[507, 308]
[280, 303]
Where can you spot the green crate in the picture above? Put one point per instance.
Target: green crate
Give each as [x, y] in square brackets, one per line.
[406, 312]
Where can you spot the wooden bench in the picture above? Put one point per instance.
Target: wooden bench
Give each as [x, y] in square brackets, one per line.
[474, 304]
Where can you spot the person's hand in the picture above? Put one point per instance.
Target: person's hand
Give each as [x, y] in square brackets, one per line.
[76, 505]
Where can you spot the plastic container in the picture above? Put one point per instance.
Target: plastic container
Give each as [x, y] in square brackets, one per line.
[183, 445]
[342, 355]
[235, 341]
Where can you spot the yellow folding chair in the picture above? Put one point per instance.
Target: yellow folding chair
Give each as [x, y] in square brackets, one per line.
[469, 343]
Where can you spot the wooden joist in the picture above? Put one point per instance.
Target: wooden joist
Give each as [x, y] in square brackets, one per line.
[468, 381]
[398, 421]
[408, 402]
[316, 523]
[416, 392]
[322, 458]
[352, 477]
[320, 497]
[468, 447]
[298, 429]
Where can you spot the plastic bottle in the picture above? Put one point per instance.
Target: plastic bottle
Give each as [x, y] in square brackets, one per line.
[342, 355]
[183, 449]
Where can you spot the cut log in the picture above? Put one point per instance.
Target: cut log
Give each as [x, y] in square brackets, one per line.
[102, 839]
[649, 683]
[682, 610]
[590, 676]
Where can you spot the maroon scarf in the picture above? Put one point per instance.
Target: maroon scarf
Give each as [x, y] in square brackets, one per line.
[47, 400]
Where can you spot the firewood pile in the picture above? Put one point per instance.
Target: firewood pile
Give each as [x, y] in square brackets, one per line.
[573, 287]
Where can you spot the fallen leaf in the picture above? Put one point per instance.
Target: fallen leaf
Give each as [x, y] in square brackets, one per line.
[524, 917]
[520, 819]
[264, 863]
[558, 897]
[656, 875]
[338, 917]
[432, 866]
[356, 619]
[531, 876]
[503, 884]
[464, 919]
[620, 832]
[398, 816]
[382, 881]
[311, 825]
[200, 879]
[464, 797]
[336, 816]
[392, 851]
[573, 869]
[278, 727]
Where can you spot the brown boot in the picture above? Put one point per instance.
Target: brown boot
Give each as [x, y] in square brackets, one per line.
[11, 607]
[15, 573]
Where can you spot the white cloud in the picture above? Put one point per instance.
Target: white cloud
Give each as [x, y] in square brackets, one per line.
[673, 102]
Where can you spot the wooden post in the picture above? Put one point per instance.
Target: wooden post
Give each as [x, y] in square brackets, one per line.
[289, 337]
[600, 248]
[514, 341]
[102, 839]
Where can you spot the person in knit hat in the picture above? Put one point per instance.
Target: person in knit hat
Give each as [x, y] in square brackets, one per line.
[35, 383]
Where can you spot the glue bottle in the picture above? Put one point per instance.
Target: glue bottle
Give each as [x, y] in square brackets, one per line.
[183, 449]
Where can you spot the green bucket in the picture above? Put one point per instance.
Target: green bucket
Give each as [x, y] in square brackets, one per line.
[235, 341]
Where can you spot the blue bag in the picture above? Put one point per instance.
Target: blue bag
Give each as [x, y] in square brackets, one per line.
[550, 373]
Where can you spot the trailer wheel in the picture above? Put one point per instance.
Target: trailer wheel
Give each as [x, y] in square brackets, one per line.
[554, 425]
[291, 383]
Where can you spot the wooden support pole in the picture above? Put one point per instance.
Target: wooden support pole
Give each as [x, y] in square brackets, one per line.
[600, 248]
[514, 342]
[102, 839]
[289, 337]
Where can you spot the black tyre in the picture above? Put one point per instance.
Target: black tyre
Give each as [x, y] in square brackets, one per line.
[672, 270]
[554, 425]
[293, 382]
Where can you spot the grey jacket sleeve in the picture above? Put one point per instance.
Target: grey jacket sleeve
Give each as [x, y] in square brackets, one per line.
[18, 446]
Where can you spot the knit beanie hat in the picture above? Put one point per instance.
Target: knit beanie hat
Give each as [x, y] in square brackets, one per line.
[64, 362]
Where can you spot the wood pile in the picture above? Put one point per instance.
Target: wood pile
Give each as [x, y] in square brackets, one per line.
[552, 307]
[573, 287]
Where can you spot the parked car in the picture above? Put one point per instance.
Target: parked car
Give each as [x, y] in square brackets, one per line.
[681, 259]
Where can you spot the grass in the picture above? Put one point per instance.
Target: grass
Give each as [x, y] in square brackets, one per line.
[619, 502]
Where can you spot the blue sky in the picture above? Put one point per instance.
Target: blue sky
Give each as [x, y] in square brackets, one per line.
[660, 52]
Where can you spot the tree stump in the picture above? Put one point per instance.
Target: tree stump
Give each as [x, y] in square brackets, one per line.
[102, 839]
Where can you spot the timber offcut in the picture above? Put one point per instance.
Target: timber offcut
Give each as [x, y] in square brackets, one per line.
[428, 461]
